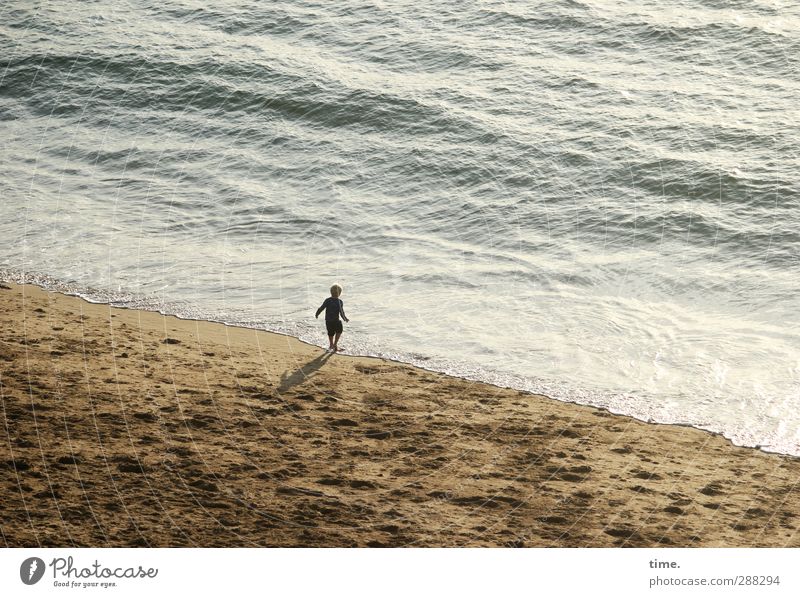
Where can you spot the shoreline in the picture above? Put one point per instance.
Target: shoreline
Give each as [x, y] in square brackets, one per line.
[53, 285]
[125, 427]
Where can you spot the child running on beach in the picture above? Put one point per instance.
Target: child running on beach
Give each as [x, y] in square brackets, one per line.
[333, 306]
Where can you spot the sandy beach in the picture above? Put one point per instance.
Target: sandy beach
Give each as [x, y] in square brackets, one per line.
[129, 428]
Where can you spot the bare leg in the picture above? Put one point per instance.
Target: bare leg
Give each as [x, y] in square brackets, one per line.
[336, 341]
[332, 345]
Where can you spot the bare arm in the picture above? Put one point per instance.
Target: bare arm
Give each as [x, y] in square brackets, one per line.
[341, 310]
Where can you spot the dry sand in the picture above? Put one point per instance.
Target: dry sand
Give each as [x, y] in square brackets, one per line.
[128, 428]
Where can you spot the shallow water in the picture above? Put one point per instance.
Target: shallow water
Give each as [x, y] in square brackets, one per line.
[593, 200]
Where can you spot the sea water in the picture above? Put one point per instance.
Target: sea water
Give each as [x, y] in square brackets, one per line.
[593, 200]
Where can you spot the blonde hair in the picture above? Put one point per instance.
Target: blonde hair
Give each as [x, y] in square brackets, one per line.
[336, 290]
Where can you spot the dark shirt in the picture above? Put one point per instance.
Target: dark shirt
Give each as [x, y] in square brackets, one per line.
[332, 306]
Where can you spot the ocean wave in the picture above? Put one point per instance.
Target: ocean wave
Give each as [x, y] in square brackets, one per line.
[133, 82]
[685, 178]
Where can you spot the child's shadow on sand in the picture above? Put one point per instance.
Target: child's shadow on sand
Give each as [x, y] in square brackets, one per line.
[288, 381]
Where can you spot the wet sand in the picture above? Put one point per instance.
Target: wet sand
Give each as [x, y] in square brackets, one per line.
[129, 428]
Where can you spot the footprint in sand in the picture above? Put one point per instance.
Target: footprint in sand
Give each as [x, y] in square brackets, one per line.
[674, 510]
[712, 489]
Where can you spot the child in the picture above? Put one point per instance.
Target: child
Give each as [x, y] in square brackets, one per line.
[333, 306]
